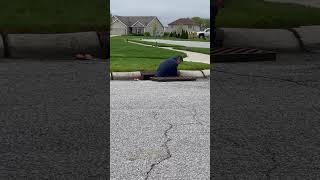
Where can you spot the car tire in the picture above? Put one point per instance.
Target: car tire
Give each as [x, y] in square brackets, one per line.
[201, 35]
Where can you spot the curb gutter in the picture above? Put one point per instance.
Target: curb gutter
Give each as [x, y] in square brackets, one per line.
[62, 45]
[138, 74]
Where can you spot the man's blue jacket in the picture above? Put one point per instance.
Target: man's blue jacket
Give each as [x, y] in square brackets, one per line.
[168, 68]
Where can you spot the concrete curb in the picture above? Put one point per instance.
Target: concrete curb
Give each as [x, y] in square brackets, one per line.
[196, 74]
[309, 36]
[2, 49]
[269, 39]
[126, 75]
[138, 74]
[206, 73]
[53, 45]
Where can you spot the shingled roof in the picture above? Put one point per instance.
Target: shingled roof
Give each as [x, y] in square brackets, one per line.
[183, 21]
[131, 20]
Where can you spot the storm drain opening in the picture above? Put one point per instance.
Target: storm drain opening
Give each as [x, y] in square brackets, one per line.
[147, 75]
[238, 54]
[167, 79]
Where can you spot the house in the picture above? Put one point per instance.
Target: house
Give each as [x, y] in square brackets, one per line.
[183, 24]
[125, 25]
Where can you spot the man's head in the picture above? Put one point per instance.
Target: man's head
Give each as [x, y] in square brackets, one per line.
[179, 59]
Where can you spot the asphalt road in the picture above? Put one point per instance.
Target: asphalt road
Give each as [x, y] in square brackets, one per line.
[160, 130]
[53, 119]
[196, 44]
[266, 119]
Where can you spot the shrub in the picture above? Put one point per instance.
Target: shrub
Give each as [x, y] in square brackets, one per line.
[166, 34]
[184, 34]
[147, 34]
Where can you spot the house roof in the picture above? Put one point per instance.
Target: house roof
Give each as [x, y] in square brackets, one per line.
[183, 21]
[131, 20]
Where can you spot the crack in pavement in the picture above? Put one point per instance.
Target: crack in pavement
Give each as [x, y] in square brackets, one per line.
[167, 149]
[194, 116]
[245, 145]
[274, 167]
[165, 145]
[271, 78]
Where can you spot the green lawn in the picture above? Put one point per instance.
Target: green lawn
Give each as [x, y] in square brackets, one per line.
[51, 16]
[131, 57]
[260, 14]
[192, 49]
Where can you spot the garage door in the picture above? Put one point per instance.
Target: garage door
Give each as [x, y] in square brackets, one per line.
[118, 31]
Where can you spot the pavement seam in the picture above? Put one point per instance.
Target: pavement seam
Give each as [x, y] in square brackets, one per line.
[274, 167]
[270, 78]
[299, 39]
[167, 150]
[5, 46]
[203, 74]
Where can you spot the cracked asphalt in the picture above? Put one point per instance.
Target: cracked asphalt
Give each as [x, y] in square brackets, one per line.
[265, 118]
[160, 130]
[53, 119]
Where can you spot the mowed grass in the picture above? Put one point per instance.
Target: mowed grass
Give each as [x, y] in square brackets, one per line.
[53, 16]
[128, 57]
[192, 49]
[261, 14]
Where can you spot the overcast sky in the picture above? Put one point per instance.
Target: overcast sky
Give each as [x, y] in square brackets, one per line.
[166, 10]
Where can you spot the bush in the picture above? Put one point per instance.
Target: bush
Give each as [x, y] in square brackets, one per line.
[184, 34]
[166, 34]
[147, 34]
[171, 34]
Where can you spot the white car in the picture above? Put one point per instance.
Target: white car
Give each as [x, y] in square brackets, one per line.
[204, 34]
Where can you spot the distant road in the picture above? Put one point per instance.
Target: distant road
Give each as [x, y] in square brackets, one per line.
[182, 43]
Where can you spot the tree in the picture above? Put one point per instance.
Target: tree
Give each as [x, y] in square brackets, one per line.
[202, 22]
[197, 20]
[206, 23]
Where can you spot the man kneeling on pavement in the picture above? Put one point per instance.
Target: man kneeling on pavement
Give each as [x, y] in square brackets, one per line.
[169, 68]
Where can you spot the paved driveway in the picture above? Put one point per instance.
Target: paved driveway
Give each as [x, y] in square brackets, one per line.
[181, 43]
[266, 118]
[160, 130]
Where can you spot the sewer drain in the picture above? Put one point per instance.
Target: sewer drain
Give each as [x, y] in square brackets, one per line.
[166, 79]
[241, 55]
[147, 75]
